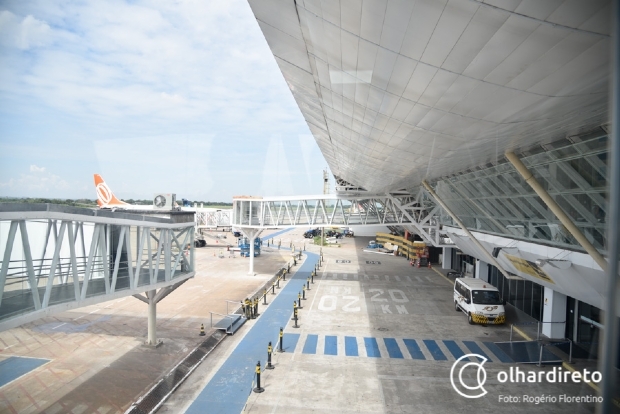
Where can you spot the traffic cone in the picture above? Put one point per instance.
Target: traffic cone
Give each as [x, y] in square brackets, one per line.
[202, 330]
[429, 264]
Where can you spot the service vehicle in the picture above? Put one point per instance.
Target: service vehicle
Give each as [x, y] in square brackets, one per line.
[479, 300]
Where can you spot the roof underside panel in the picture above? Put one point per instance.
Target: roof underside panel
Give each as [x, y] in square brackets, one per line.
[398, 91]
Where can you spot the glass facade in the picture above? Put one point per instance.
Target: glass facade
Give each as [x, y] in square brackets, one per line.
[495, 198]
[522, 294]
[463, 263]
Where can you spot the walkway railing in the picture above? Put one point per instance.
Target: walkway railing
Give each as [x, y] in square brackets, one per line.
[570, 351]
[55, 258]
[538, 331]
[409, 211]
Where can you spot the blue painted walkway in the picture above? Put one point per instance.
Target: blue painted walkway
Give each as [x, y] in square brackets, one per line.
[228, 390]
[14, 367]
[276, 234]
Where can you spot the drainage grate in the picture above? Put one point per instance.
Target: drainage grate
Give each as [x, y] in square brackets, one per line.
[156, 396]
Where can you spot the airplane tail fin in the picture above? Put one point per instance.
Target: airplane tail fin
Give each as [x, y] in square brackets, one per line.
[105, 196]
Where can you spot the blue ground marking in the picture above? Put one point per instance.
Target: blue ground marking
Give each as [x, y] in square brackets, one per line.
[331, 345]
[454, 349]
[434, 350]
[372, 348]
[414, 349]
[475, 348]
[229, 388]
[290, 342]
[14, 367]
[350, 346]
[310, 345]
[277, 233]
[498, 353]
[392, 348]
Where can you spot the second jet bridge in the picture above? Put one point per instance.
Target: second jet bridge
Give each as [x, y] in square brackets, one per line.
[56, 258]
[417, 213]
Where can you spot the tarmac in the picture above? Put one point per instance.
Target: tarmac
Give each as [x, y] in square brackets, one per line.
[375, 336]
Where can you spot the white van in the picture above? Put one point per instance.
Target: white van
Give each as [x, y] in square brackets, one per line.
[479, 300]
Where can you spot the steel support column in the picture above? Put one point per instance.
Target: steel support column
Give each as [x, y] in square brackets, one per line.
[556, 209]
[251, 234]
[465, 229]
[609, 348]
[152, 331]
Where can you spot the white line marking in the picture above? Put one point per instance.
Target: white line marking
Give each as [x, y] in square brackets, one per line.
[60, 325]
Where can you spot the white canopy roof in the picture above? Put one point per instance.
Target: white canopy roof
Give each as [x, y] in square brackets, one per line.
[398, 91]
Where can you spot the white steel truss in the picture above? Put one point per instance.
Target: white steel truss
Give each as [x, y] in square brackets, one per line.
[58, 260]
[417, 213]
[210, 218]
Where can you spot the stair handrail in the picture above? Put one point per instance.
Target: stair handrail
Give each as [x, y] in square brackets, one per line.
[238, 302]
[565, 340]
[532, 323]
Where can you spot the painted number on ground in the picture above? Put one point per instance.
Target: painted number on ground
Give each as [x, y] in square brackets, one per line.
[372, 262]
[396, 295]
[347, 303]
[343, 261]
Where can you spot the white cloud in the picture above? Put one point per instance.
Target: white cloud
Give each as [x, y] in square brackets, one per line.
[22, 33]
[113, 75]
[37, 183]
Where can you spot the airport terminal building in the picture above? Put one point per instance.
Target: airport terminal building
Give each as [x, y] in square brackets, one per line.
[471, 98]
[482, 128]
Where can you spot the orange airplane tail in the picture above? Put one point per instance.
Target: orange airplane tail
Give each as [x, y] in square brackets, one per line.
[105, 196]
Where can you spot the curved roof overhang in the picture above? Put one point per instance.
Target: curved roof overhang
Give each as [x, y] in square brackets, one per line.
[395, 92]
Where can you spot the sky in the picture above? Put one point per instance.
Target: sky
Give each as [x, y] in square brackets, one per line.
[179, 97]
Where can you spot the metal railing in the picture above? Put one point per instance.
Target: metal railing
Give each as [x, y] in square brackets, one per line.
[538, 323]
[570, 350]
[238, 302]
[230, 317]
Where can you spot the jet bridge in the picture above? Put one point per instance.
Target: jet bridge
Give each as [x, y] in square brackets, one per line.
[56, 258]
[417, 213]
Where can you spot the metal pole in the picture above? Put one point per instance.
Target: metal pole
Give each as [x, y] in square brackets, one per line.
[556, 209]
[252, 254]
[465, 229]
[281, 341]
[540, 355]
[258, 387]
[511, 325]
[152, 334]
[269, 366]
[609, 352]
[570, 352]
[538, 331]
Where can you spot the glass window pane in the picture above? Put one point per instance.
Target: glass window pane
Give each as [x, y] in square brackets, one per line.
[537, 300]
[527, 297]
